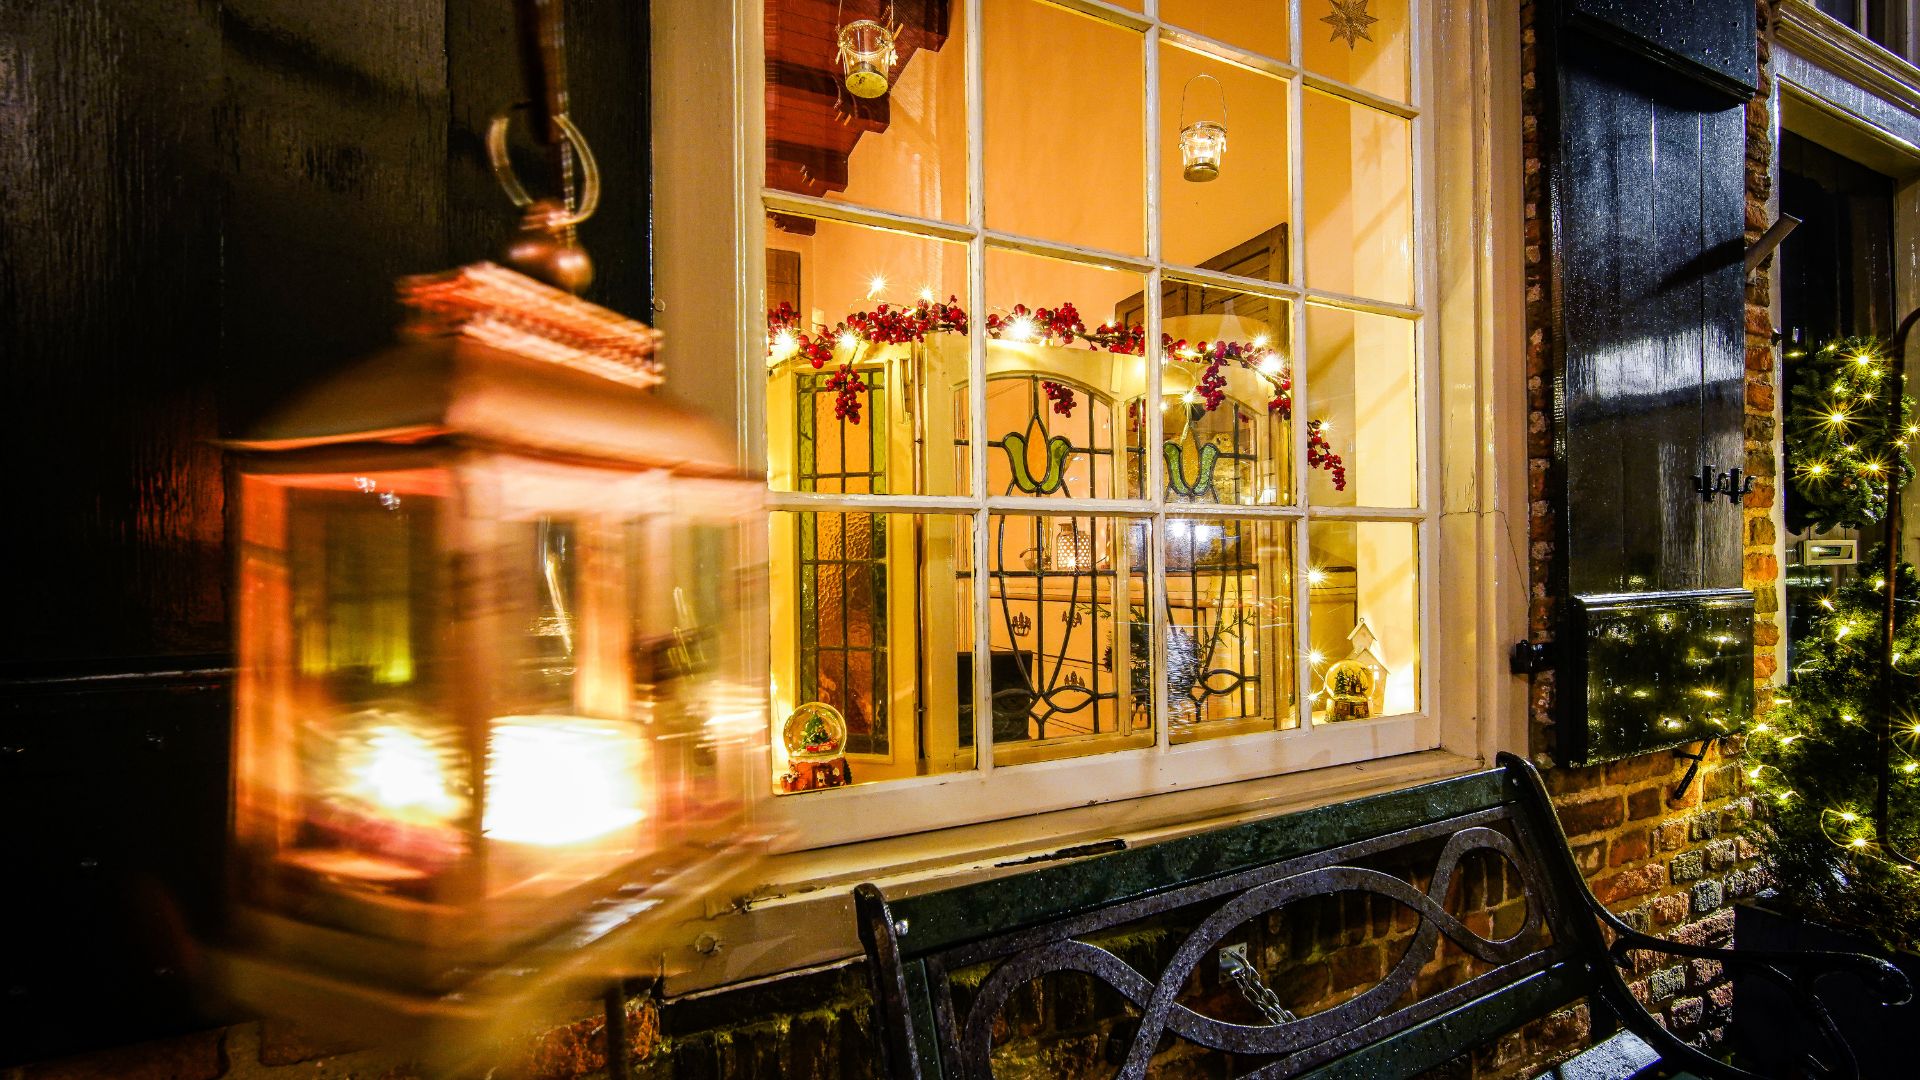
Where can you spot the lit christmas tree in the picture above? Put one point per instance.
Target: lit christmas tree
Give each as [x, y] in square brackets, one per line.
[1814, 759]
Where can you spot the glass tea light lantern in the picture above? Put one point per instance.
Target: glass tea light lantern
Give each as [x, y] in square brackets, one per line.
[1203, 143]
[867, 55]
[494, 730]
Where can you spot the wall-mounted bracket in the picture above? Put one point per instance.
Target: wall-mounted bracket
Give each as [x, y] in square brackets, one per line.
[1530, 657]
[1770, 240]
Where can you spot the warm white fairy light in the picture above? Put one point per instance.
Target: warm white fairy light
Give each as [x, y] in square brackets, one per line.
[785, 344]
[1023, 328]
[926, 294]
[849, 341]
[1316, 576]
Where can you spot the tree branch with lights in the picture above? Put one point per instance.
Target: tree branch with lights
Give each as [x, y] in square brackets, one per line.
[1844, 445]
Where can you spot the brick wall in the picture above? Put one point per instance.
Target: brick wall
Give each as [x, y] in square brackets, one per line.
[1669, 866]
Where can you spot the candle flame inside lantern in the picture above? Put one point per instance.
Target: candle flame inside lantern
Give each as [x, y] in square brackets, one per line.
[405, 775]
[556, 780]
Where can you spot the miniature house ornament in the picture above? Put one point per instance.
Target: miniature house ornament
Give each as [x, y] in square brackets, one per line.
[1356, 687]
[1203, 143]
[493, 731]
[867, 55]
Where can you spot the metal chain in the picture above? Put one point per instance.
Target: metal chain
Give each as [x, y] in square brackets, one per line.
[1252, 987]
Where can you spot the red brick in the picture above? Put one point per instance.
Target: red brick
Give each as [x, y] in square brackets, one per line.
[1630, 847]
[1580, 819]
[1628, 884]
[1644, 803]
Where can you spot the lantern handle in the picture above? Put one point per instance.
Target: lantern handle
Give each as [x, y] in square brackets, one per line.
[1189, 85]
[503, 167]
[840, 12]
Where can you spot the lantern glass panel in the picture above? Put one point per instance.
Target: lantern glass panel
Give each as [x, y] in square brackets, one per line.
[566, 797]
[353, 773]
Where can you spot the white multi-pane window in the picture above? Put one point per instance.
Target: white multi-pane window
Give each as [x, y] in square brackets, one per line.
[1093, 475]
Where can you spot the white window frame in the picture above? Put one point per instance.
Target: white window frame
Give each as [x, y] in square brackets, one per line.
[1471, 516]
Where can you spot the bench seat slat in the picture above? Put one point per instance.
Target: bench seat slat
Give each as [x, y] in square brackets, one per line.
[1435, 1042]
[1625, 1056]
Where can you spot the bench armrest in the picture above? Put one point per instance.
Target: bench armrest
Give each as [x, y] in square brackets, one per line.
[1798, 972]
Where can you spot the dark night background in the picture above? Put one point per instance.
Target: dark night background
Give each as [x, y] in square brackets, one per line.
[203, 204]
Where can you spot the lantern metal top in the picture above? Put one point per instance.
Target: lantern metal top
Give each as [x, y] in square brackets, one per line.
[491, 357]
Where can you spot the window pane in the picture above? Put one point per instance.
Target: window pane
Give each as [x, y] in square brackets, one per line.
[1364, 607]
[1236, 221]
[1065, 112]
[866, 349]
[1064, 344]
[1362, 43]
[903, 150]
[1359, 199]
[1068, 626]
[1261, 28]
[1229, 593]
[1364, 434]
[1226, 402]
[873, 647]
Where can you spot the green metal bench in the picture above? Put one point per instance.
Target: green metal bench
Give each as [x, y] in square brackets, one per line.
[944, 964]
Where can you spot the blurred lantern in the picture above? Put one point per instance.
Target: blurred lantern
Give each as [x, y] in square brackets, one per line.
[493, 728]
[1203, 143]
[867, 55]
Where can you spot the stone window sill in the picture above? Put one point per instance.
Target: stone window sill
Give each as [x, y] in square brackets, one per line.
[801, 916]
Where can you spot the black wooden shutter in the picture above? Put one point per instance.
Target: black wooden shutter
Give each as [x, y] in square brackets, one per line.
[1646, 139]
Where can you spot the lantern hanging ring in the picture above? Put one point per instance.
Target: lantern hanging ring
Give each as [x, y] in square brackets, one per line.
[1203, 143]
[577, 211]
[1189, 86]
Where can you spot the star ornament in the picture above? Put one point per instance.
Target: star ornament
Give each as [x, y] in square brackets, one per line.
[1350, 20]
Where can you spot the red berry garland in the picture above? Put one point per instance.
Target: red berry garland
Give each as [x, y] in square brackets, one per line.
[1060, 396]
[1320, 455]
[1061, 326]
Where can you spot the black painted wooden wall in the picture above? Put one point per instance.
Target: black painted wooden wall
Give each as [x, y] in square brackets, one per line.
[202, 205]
[1647, 174]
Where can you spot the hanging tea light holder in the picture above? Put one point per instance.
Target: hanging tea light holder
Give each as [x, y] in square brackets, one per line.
[867, 54]
[1203, 143]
